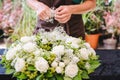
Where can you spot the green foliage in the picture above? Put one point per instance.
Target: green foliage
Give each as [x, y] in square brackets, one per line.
[26, 24]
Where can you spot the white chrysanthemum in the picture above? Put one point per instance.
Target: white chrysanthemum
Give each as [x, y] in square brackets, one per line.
[59, 69]
[71, 70]
[74, 41]
[29, 47]
[11, 54]
[25, 39]
[58, 50]
[41, 65]
[62, 64]
[19, 65]
[54, 64]
[84, 54]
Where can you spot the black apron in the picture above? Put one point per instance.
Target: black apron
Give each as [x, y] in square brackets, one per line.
[74, 27]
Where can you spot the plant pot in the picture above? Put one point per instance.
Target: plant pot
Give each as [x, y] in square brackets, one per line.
[92, 39]
[110, 43]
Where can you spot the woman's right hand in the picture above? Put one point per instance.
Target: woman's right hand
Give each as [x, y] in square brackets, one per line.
[44, 12]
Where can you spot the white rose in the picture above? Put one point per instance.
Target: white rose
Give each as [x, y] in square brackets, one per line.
[59, 69]
[41, 65]
[19, 65]
[38, 52]
[66, 60]
[87, 45]
[92, 51]
[29, 47]
[84, 54]
[54, 64]
[58, 50]
[71, 70]
[11, 54]
[25, 39]
[74, 41]
[69, 53]
[62, 64]
[75, 59]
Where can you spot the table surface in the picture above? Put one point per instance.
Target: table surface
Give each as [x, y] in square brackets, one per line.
[108, 70]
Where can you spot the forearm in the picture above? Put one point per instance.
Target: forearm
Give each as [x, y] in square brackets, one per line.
[34, 4]
[84, 7]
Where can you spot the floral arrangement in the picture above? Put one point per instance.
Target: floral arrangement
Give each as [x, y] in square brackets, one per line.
[50, 56]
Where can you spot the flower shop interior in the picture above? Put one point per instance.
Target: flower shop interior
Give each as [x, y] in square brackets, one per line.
[102, 36]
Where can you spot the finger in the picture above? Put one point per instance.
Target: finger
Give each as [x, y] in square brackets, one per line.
[61, 16]
[63, 20]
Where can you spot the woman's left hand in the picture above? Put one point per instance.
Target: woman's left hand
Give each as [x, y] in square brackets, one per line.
[63, 14]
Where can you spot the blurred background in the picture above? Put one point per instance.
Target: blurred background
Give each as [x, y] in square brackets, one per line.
[17, 20]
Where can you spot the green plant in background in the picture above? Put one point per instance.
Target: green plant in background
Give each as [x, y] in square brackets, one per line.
[26, 24]
[94, 20]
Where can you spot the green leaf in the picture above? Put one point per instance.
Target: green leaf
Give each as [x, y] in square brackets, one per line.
[78, 77]
[59, 77]
[52, 78]
[22, 76]
[9, 71]
[40, 77]
[85, 75]
[31, 68]
[49, 74]
[67, 78]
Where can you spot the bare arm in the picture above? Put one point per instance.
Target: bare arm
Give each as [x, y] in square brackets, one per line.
[84, 7]
[43, 11]
[63, 13]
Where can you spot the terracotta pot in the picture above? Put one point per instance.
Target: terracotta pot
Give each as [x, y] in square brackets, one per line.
[92, 39]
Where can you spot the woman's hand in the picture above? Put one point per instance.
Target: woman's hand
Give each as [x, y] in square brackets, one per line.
[63, 14]
[44, 12]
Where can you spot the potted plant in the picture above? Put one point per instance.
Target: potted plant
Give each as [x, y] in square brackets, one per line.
[93, 21]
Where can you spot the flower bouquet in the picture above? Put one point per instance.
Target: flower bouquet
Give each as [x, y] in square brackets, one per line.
[50, 56]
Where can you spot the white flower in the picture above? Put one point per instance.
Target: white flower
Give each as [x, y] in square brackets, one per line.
[66, 60]
[73, 41]
[29, 47]
[69, 53]
[87, 45]
[38, 52]
[71, 70]
[62, 64]
[84, 54]
[54, 64]
[11, 54]
[18, 47]
[25, 39]
[59, 69]
[44, 41]
[41, 65]
[92, 51]
[58, 50]
[19, 65]
[75, 60]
